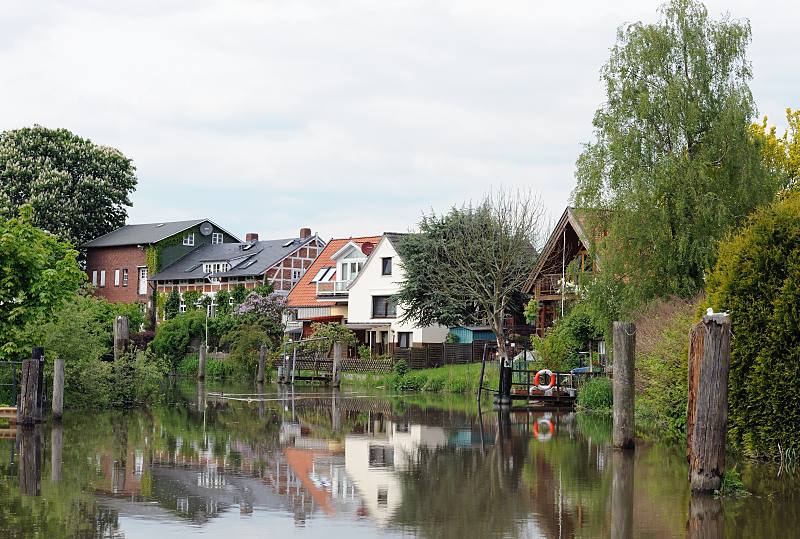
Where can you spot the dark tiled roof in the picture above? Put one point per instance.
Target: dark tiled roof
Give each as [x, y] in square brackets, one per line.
[252, 258]
[146, 234]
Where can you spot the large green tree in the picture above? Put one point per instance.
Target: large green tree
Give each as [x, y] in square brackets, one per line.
[79, 190]
[467, 266]
[37, 272]
[673, 162]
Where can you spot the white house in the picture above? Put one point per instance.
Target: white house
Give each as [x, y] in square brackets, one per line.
[370, 306]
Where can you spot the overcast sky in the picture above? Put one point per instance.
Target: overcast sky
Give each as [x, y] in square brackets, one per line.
[350, 117]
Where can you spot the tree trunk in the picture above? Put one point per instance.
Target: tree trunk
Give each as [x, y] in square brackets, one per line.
[708, 403]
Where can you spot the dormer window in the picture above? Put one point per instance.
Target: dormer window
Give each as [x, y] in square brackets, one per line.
[188, 239]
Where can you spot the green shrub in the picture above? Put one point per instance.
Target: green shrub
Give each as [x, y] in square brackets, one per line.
[215, 368]
[662, 344]
[401, 367]
[559, 348]
[364, 352]
[172, 337]
[757, 279]
[172, 305]
[596, 394]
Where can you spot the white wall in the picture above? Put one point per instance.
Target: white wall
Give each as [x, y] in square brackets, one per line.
[371, 282]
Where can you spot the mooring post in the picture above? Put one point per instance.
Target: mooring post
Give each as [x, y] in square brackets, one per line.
[337, 358]
[707, 407]
[201, 362]
[121, 336]
[58, 388]
[28, 412]
[624, 350]
[262, 355]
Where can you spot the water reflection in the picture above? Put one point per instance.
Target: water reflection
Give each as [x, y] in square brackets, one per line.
[340, 464]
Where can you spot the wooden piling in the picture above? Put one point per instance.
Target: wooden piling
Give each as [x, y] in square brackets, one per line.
[337, 359]
[707, 408]
[262, 355]
[624, 350]
[121, 336]
[28, 412]
[201, 362]
[58, 388]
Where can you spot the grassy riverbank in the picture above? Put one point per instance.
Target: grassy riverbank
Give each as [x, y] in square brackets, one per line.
[446, 379]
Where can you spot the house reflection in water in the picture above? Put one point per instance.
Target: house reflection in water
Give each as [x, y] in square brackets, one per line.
[374, 460]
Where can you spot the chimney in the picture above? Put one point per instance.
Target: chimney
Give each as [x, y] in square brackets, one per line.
[305, 233]
[251, 236]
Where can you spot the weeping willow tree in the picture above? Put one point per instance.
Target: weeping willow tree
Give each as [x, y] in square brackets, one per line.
[673, 166]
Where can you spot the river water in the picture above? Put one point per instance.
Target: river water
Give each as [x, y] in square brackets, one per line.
[347, 464]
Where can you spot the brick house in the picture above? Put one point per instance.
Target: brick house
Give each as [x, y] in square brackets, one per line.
[214, 267]
[118, 264]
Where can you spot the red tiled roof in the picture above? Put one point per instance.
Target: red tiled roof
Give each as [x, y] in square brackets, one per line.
[304, 293]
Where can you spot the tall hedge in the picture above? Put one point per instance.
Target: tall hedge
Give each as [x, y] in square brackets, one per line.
[757, 278]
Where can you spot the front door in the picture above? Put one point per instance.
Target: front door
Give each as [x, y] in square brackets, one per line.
[142, 281]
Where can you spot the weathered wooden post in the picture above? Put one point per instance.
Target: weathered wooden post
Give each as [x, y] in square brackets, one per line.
[201, 396]
[622, 495]
[624, 350]
[262, 355]
[707, 409]
[201, 362]
[337, 359]
[58, 388]
[121, 336]
[28, 412]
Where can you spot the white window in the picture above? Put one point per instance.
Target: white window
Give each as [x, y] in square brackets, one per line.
[102, 278]
[143, 281]
[183, 306]
[116, 277]
[188, 239]
[94, 278]
[216, 237]
[124, 276]
[296, 274]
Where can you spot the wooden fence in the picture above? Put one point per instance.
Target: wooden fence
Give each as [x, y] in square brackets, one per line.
[436, 355]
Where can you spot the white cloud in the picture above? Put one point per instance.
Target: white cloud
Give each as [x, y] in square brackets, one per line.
[351, 117]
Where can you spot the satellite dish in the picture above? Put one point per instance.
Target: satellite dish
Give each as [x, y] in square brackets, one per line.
[367, 247]
[206, 229]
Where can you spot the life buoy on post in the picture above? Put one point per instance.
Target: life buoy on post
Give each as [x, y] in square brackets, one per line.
[549, 427]
[553, 377]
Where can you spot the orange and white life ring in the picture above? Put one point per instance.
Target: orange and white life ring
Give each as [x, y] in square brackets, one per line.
[548, 431]
[553, 378]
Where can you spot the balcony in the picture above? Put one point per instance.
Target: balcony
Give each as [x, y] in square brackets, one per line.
[332, 289]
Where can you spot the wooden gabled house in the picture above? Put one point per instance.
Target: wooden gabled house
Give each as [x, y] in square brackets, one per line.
[552, 281]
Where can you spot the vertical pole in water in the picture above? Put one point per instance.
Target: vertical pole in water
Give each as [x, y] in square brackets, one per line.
[624, 350]
[262, 353]
[294, 363]
[201, 362]
[29, 389]
[707, 409]
[337, 358]
[58, 388]
[121, 336]
[39, 384]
